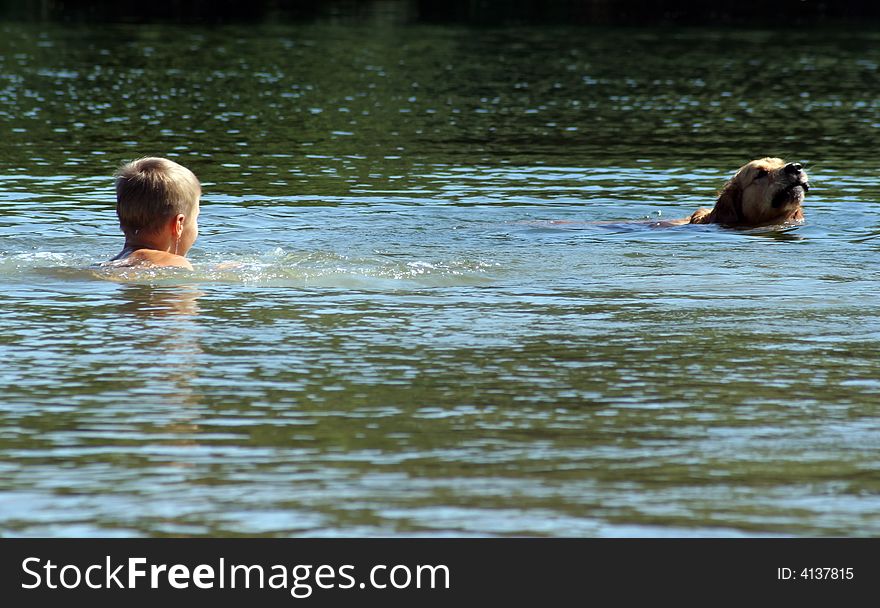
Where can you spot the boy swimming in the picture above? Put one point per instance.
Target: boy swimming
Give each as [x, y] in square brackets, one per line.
[157, 202]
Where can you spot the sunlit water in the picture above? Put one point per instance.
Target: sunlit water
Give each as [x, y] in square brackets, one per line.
[422, 301]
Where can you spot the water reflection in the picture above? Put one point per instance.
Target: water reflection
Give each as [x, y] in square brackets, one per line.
[169, 315]
[789, 234]
[163, 323]
[149, 301]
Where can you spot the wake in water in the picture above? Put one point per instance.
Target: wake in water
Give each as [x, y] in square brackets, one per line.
[276, 267]
[327, 269]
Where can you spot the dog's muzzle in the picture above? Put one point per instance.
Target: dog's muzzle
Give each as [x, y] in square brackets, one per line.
[791, 193]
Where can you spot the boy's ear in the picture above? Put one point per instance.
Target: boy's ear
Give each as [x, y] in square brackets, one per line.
[728, 207]
[177, 224]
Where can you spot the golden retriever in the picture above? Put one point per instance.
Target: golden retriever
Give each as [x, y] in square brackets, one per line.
[764, 192]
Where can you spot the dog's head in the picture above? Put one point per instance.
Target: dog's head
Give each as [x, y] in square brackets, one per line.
[765, 191]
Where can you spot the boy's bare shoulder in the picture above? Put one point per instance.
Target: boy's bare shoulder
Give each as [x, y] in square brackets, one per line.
[153, 258]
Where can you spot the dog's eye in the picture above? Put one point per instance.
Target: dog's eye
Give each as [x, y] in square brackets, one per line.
[760, 173]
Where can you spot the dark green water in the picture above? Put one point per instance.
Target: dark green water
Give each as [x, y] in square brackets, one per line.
[409, 343]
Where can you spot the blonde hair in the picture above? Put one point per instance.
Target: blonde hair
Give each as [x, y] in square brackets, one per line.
[152, 190]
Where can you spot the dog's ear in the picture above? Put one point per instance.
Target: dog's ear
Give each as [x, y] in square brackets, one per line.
[728, 207]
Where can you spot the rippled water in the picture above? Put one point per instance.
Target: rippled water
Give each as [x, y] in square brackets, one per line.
[419, 306]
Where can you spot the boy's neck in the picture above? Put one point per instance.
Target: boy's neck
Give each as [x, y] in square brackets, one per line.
[135, 243]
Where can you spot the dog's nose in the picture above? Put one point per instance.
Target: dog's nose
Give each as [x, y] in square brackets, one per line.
[793, 168]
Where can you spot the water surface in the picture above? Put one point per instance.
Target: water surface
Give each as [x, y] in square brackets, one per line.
[424, 329]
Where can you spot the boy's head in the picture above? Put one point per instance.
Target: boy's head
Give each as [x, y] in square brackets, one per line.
[152, 191]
